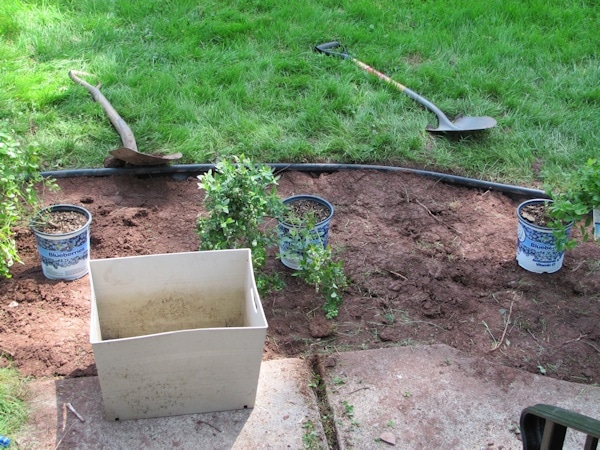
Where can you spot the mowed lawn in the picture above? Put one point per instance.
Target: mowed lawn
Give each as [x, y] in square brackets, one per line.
[217, 78]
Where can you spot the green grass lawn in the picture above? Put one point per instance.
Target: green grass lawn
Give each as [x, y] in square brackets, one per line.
[13, 392]
[216, 78]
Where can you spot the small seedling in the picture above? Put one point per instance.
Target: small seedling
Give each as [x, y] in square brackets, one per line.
[390, 318]
[348, 409]
[514, 428]
[338, 381]
[315, 381]
[310, 439]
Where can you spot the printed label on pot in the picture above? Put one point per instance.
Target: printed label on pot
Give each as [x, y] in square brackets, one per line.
[64, 258]
[536, 250]
[291, 245]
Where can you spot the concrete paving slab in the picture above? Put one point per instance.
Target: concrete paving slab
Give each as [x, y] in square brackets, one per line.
[414, 397]
[283, 405]
[437, 397]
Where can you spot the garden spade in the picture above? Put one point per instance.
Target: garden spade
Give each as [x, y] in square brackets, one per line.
[462, 124]
[128, 152]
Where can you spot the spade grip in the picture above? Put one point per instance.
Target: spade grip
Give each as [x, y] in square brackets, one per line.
[328, 46]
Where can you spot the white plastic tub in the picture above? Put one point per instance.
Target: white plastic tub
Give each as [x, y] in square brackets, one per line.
[175, 334]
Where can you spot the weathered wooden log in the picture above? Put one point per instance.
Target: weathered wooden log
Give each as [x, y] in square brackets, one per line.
[128, 152]
[120, 125]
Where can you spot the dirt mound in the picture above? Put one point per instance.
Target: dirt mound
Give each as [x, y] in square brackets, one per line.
[428, 263]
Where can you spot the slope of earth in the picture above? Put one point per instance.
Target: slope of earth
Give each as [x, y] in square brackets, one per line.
[428, 262]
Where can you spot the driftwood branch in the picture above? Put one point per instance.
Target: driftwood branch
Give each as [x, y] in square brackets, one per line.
[120, 125]
[436, 218]
[74, 411]
[499, 344]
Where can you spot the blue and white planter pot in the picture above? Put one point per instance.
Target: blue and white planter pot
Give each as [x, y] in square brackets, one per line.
[597, 224]
[536, 245]
[289, 247]
[64, 256]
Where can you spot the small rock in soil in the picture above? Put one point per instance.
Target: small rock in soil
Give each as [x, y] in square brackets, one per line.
[330, 362]
[320, 327]
[388, 437]
[389, 334]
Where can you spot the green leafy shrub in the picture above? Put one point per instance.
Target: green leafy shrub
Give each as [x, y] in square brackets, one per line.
[238, 197]
[19, 171]
[318, 269]
[573, 202]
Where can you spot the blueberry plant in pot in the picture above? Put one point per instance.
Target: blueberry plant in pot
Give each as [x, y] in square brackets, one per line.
[240, 200]
[538, 248]
[545, 224]
[303, 245]
[62, 233]
[19, 172]
[305, 220]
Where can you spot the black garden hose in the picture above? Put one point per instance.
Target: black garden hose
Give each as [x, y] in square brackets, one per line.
[190, 169]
